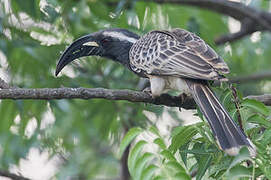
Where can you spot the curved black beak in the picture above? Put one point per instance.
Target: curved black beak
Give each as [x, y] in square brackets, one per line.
[84, 46]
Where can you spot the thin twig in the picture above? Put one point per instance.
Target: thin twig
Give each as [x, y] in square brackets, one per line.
[237, 105]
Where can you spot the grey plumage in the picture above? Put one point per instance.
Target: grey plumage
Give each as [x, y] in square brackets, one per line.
[229, 136]
[175, 59]
[176, 53]
[182, 54]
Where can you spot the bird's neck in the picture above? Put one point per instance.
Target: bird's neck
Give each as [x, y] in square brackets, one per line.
[121, 54]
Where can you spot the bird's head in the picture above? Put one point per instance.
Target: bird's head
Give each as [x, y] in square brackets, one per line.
[111, 43]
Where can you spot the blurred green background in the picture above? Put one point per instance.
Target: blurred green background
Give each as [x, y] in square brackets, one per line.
[85, 135]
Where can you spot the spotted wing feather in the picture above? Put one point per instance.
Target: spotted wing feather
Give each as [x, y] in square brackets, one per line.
[201, 49]
[164, 53]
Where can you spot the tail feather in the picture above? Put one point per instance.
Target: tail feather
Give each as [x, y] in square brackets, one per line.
[229, 136]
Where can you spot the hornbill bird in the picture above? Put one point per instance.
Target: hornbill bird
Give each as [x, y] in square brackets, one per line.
[176, 59]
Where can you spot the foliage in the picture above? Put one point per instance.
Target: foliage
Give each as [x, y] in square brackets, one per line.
[86, 135]
[191, 149]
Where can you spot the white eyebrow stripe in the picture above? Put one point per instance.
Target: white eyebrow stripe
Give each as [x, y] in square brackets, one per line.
[120, 36]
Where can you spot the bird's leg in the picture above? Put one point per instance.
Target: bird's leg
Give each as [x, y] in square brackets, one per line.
[157, 85]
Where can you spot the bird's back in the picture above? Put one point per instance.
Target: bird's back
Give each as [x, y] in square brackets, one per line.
[176, 53]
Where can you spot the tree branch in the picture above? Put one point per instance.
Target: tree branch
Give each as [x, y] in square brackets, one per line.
[231, 37]
[248, 78]
[12, 176]
[251, 19]
[251, 78]
[91, 93]
[266, 98]
[101, 93]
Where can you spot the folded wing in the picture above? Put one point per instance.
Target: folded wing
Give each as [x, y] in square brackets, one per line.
[176, 53]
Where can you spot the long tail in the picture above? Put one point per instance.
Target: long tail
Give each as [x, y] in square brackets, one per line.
[229, 136]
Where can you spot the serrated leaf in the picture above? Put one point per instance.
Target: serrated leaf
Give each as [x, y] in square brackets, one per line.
[133, 155]
[256, 105]
[130, 135]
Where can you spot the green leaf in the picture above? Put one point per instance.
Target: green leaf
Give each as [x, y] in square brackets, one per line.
[31, 7]
[179, 129]
[141, 163]
[257, 119]
[182, 135]
[238, 172]
[160, 143]
[184, 154]
[174, 166]
[218, 169]
[134, 155]
[256, 105]
[242, 156]
[130, 135]
[148, 172]
[182, 175]
[168, 155]
[154, 130]
[203, 164]
[266, 137]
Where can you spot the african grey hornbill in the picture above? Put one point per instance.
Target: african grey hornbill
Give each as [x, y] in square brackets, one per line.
[175, 59]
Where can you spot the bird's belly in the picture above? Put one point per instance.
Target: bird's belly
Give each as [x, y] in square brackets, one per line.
[176, 83]
[162, 84]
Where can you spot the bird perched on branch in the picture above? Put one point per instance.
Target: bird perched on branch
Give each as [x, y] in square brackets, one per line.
[175, 59]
